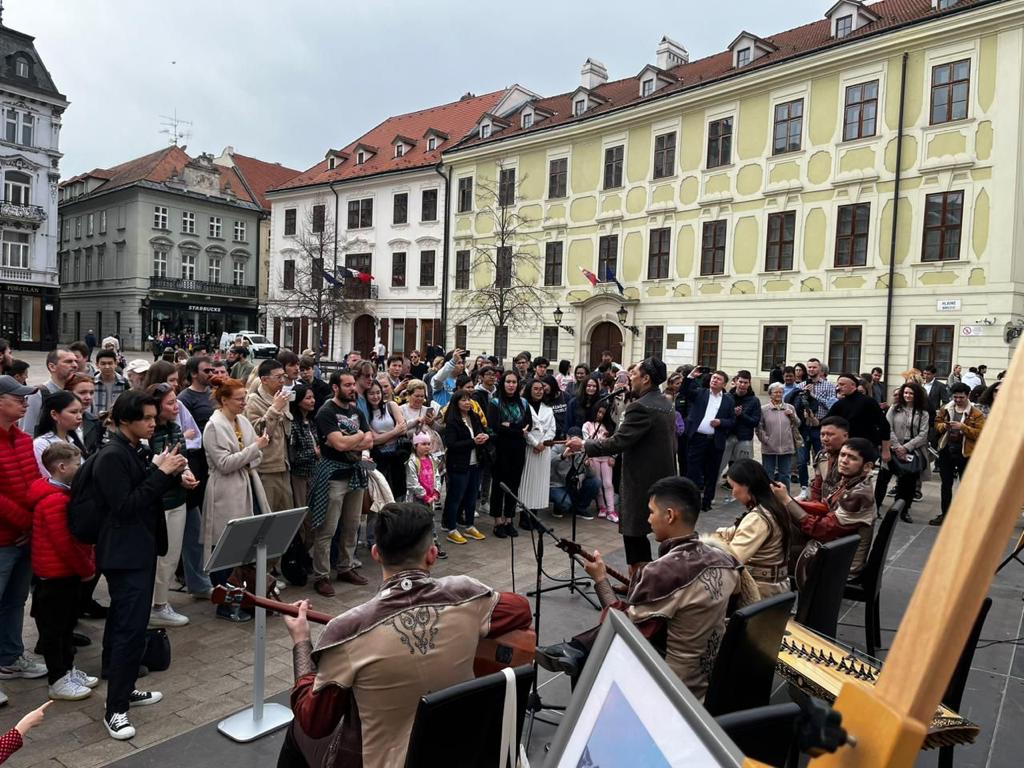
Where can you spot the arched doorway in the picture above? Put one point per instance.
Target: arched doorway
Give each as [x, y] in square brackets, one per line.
[363, 336]
[605, 336]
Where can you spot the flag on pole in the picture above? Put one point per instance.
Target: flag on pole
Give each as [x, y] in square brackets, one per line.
[329, 278]
[590, 276]
[363, 277]
[609, 277]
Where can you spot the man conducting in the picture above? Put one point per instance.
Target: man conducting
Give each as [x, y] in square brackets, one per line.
[647, 441]
[373, 663]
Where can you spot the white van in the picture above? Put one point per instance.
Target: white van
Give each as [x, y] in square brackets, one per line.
[259, 346]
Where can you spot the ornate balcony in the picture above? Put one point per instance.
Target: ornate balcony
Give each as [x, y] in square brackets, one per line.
[33, 215]
[16, 275]
[202, 286]
[359, 291]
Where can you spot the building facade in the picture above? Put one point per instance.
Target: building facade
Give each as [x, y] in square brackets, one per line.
[162, 243]
[376, 207]
[747, 202]
[29, 163]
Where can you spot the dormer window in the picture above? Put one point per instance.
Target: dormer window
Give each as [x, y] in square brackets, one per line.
[647, 87]
[844, 25]
[431, 144]
[748, 48]
[332, 163]
[485, 130]
[21, 68]
[579, 107]
[399, 150]
[360, 157]
[743, 57]
[944, 4]
[527, 119]
[847, 16]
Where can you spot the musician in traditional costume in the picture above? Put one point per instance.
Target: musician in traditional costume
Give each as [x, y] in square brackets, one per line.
[760, 538]
[372, 663]
[678, 601]
[848, 509]
[835, 431]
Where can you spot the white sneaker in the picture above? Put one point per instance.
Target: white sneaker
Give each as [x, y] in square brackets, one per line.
[83, 679]
[804, 494]
[118, 726]
[22, 667]
[68, 689]
[3, 698]
[166, 617]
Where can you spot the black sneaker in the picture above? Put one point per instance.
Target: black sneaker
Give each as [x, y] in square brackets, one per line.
[510, 529]
[500, 531]
[118, 726]
[441, 554]
[918, 495]
[588, 515]
[139, 698]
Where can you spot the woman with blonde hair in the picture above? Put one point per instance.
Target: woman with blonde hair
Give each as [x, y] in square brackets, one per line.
[233, 452]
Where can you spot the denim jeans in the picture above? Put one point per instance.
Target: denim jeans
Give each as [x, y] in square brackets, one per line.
[565, 501]
[811, 448]
[196, 582]
[463, 486]
[15, 581]
[778, 467]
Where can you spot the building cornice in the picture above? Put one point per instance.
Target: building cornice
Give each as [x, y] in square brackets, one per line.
[254, 208]
[345, 184]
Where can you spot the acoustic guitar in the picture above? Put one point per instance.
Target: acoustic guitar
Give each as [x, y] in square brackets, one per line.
[574, 549]
[513, 649]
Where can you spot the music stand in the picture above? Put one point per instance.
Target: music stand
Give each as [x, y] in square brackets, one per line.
[246, 540]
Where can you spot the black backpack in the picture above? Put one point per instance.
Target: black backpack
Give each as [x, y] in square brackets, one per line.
[85, 516]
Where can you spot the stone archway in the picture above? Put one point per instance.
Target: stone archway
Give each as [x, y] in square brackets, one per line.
[605, 335]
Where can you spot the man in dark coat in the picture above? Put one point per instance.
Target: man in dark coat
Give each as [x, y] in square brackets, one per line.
[708, 425]
[863, 413]
[646, 439]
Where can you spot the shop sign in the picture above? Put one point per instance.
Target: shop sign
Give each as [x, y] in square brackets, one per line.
[947, 305]
[200, 308]
[30, 290]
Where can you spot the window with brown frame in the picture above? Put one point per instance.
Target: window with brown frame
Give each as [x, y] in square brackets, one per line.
[503, 278]
[507, 187]
[549, 342]
[319, 217]
[289, 221]
[789, 119]
[607, 257]
[558, 177]
[289, 275]
[553, 263]
[461, 270]
[654, 341]
[951, 86]
[933, 345]
[781, 235]
[400, 209]
[501, 341]
[943, 220]
[465, 194]
[720, 142]
[664, 155]
[712, 248]
[852, 227]
[861, 111]
[844, 348]
[427, 261]
[773, 345]
[844, 25]
[398, 269]
[658, 253]
[461, 333]
[613, 167]
[316, 274]
[428, 205]
[360, 213]
[707, 346]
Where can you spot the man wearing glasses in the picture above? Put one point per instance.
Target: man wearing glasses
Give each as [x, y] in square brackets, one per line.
[267, 409]
[18, 470]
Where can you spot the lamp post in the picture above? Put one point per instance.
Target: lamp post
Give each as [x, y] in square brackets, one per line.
[621, 315]
[558, 315]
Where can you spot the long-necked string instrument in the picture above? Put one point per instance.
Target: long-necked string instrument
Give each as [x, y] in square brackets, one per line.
[512, 649]
[574, 549]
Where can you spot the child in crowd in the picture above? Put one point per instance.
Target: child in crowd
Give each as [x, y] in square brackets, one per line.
[60, 564]
[597, 429]
[11, 741]
[423, 480]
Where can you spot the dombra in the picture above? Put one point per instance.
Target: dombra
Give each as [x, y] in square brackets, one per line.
[512, 649]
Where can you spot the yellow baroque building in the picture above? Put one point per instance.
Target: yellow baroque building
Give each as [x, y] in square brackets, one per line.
[747, 202]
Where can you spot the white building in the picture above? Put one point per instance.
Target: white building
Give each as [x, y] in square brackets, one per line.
[388, 196]
[29, 161]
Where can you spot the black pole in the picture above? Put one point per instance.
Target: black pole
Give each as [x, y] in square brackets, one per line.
[445, 253]
[334, 274]
[895, 223]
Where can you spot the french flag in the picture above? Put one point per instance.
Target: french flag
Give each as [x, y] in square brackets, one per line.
[363, 277]
[590, 276]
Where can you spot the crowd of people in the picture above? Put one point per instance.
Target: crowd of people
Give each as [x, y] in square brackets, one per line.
[385, 452]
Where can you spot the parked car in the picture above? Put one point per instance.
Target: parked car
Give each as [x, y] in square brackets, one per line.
[259, 345]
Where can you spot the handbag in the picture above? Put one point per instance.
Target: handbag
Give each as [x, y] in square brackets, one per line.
[157, 655]
[913, 464]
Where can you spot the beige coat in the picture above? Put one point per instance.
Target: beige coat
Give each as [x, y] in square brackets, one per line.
[233, 479]
[278, 424]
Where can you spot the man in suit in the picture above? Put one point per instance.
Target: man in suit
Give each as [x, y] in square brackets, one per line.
[708, 424]
[938, 393]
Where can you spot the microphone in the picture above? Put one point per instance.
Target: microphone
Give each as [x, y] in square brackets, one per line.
[611, 395]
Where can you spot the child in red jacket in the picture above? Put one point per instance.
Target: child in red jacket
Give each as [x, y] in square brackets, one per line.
[61, 564]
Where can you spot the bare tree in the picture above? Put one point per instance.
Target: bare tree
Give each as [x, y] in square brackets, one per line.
[311, 285]
[506, 288]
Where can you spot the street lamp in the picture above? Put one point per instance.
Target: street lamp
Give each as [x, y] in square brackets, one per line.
[621, 314]
[558, 315]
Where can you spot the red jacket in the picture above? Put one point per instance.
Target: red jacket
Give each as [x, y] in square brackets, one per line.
[55, 552]
[18, 470]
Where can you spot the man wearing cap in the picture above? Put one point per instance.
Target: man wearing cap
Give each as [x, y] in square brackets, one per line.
[136, 372]
[646, 439]
[62, 365]
[18, 470]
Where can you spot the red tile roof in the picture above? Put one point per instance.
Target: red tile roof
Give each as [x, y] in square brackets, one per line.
[795, 42]
[261, 175]
[158, 167]
[456, 119]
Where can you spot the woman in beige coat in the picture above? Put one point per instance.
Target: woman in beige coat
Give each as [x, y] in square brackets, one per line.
[233, 451]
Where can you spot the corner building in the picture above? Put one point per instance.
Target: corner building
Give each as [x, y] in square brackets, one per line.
[746, 201]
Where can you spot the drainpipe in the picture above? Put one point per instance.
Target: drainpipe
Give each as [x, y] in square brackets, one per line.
[334, 319]
[445, 254]
[895, 221]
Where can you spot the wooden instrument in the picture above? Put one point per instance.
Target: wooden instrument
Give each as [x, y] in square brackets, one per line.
[819, 666]
[512, 649]
[573, 549]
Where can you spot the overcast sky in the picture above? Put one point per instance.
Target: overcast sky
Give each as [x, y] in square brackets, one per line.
[283, 81]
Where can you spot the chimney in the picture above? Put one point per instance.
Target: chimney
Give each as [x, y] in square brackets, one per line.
[671, 54]
[594, 74]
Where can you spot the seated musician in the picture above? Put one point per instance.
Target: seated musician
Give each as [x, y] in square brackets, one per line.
[761, 536]
[835, 431]
[848, 509]
[685, 592]
[372, 663]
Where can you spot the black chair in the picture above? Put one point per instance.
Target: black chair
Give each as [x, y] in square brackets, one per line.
[765, 734]
[480, 702]
[955, 692]
[867, 587]
[742, 674]
[820, 600]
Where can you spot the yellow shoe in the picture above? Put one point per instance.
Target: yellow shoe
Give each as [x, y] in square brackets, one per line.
[473, 533]
[455, 537]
